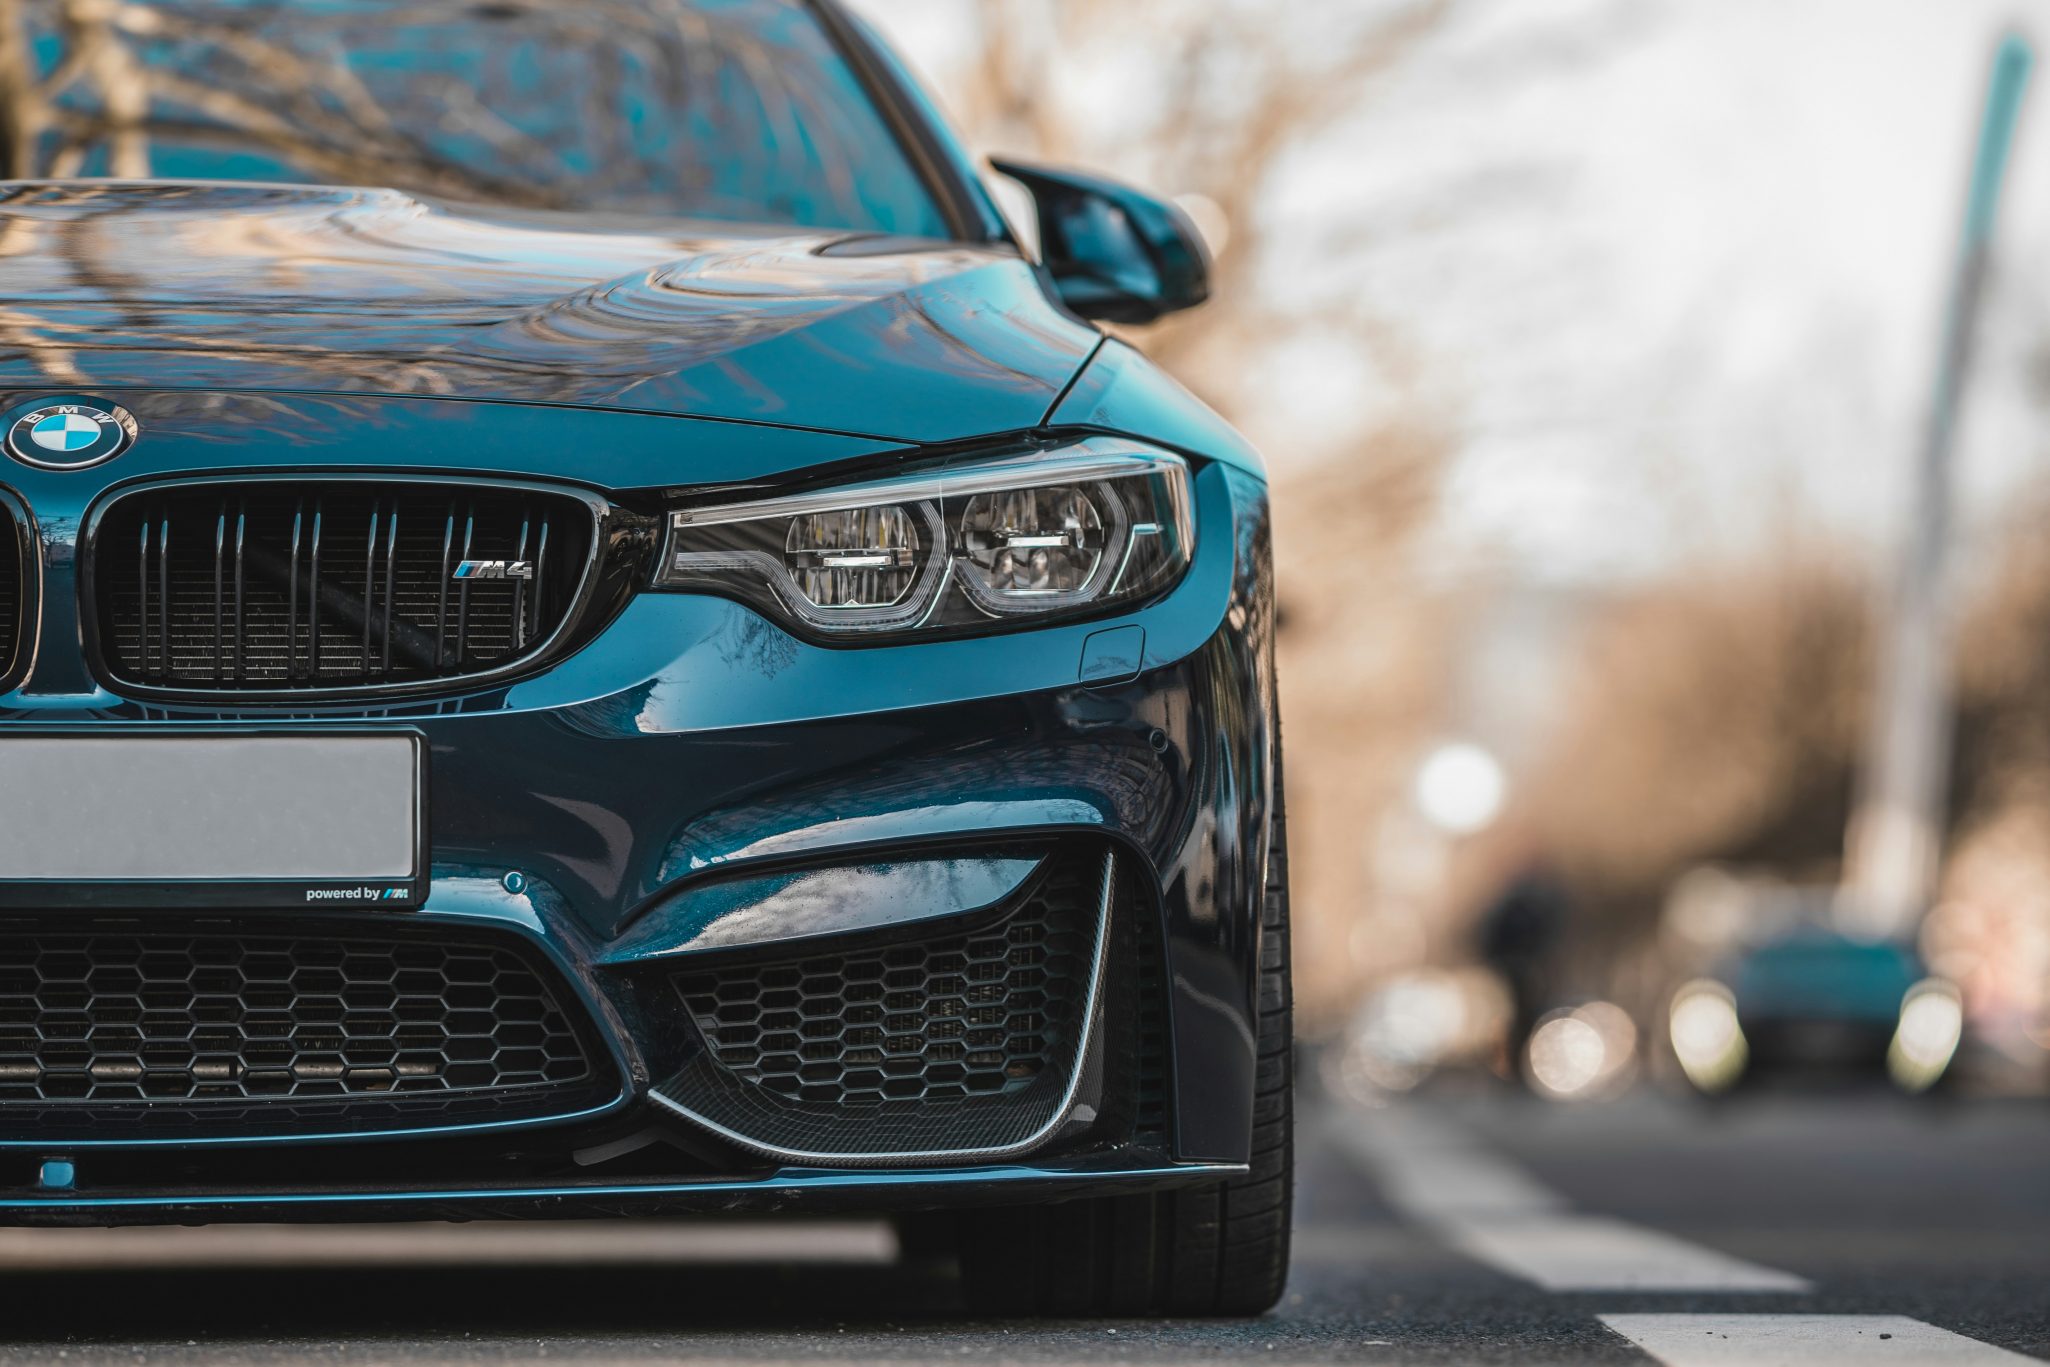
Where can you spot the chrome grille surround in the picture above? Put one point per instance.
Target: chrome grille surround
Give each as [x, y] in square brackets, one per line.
[17, 588]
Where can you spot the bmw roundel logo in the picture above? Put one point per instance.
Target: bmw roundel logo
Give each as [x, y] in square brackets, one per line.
[68, 433]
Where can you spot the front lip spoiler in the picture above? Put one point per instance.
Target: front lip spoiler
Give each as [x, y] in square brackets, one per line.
[786, 1191]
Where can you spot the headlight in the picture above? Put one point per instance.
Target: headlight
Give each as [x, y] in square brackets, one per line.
[1932, 1022]
[1025, 538]
[1707, 1037]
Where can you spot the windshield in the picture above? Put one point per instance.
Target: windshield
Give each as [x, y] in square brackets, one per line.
[740, 110]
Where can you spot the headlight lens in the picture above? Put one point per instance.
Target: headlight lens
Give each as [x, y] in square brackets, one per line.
[1096, 523]
[854, 558]
[1027, 548]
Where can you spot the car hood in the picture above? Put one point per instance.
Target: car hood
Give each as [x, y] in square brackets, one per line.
[173, 285]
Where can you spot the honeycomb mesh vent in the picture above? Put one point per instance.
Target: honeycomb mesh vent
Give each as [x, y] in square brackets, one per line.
[119, 1023]
[960, 1042]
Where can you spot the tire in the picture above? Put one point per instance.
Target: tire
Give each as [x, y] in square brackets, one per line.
[1220, 1249]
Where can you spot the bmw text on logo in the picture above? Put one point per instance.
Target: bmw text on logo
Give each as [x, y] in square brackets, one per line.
[495, 569]
[68, 433]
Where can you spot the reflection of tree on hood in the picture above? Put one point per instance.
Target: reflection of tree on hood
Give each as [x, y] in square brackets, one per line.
[718, 109]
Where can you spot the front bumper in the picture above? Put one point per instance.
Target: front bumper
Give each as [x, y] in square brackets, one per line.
[693, 739]
[783, 1192]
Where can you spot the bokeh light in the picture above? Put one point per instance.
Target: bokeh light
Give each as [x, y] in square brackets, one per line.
[1460, 788]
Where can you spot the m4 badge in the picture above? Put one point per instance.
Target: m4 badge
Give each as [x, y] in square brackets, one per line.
[495, 569]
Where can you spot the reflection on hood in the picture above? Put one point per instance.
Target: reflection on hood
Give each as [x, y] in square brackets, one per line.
[110, 285]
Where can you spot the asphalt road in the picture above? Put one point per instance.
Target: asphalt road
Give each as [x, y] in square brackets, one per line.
[1493, 1230]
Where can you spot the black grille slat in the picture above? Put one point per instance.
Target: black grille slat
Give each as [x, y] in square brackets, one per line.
[118, 1020]
[341, 585]
[540, 571]
[241, 545]
[163, 597]
[292, 608]
[220, 640]
[448, 545]
[142, 563]
[391, 569]
[370, 582]
[313, 601]
[519, 610]
[463, 586]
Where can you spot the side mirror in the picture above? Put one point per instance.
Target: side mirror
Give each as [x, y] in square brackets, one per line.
[1115, 253]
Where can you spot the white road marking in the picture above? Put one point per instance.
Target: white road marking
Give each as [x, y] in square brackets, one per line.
[1804, 1341]
[486, 1242]
[1590, 1253]
[1493, 1211]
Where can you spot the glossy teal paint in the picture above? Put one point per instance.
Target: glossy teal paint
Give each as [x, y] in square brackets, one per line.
[186, 432]
[931, 342]
[815, 903]
[1121, 391]
[1112, 655]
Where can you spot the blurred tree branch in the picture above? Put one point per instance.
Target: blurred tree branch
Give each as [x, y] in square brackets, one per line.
[1241, 90]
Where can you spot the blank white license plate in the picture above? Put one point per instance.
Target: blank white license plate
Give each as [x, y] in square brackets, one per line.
[272, 819]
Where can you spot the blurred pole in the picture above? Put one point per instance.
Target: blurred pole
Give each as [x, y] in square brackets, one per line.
[1895, 841]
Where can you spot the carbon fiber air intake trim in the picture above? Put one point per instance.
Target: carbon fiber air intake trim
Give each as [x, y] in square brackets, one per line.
[916, 1130]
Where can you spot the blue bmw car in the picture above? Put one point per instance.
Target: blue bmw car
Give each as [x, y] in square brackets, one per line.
[584, 631]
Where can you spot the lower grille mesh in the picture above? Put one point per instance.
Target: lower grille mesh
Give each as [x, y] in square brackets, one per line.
[119, 1023]
[971, 1015]
[967, 1042]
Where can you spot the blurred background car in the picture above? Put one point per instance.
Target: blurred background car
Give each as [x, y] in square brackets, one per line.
[1814, 1004]
[1819, 999]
